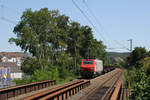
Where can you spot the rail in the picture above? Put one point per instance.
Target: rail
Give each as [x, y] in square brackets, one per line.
[94, 92]
[22, 89]
[119, 92]
[62, 92]
[116, 91]
[111, 89]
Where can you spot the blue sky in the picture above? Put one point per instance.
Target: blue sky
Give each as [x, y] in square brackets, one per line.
[120, 20]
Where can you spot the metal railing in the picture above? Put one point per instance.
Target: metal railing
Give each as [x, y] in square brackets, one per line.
[22, 89]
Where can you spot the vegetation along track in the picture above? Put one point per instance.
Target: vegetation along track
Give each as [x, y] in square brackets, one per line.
[104, 91]
[61, 92]
[23, 89]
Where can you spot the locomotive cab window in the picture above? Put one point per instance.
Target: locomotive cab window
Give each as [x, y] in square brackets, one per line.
[87, 62]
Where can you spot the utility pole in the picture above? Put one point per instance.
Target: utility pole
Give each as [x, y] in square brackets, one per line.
[130, 44]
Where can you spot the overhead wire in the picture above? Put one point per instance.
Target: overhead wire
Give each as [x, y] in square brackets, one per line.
[92, 13]
[122, 45]
[2, 17]
[2, 9]
[7, 20]
[100, 25]
[76, 5]
[96, 19]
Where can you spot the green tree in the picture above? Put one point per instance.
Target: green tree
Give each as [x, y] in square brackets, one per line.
[30, 65]
[55, 43]
[141, 86]
[41, 33]
[145, 63]
[138, 75]
[87, 39]
[98, 50]
[74, 41]
[137, 54]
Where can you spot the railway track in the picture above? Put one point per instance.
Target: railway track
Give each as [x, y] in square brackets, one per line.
[23, 89]
[104, 81]
[110, 90]
[61, 92]
[105, 90]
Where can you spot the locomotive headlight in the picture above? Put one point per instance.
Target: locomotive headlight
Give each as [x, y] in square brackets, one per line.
[91, 69]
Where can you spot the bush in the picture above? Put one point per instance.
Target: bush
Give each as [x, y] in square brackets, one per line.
[141, 86]
[22, 81]
[30, 65]
[48, 73]
[138, 83]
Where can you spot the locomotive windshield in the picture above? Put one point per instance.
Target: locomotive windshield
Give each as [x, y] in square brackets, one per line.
[87, 62]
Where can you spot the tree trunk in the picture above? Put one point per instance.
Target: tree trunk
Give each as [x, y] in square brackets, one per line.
[75, 59]
[41, 56]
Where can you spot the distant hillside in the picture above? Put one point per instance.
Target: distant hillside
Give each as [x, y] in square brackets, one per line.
[118, 54]
[116, 57]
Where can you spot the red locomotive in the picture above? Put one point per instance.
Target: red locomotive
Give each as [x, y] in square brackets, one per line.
[91, 67]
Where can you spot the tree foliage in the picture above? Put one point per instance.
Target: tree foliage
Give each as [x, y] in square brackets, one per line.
[30, 65]
[54, 40]
[138, 74]
[139, 84]
[137, 54]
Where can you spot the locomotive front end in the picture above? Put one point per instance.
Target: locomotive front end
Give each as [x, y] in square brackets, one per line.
[87, 68]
